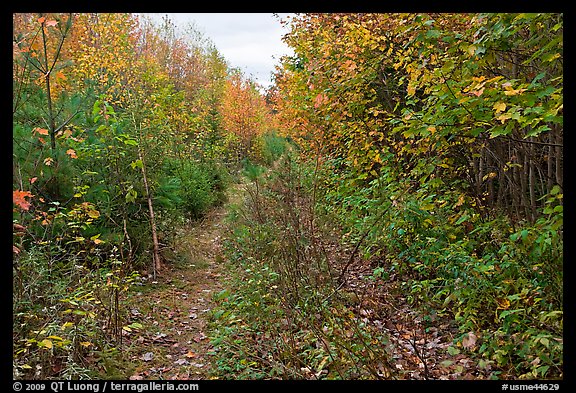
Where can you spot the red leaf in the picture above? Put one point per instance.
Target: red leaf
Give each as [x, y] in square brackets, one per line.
[18, 228]
[19, 199]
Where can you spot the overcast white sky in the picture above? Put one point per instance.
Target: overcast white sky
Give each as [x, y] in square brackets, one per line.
[249, 41]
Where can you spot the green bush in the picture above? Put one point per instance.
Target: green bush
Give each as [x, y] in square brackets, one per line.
[190, 187]
[498, 279]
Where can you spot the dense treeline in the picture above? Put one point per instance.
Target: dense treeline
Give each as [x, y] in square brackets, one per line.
[122, 130]
[435, 142]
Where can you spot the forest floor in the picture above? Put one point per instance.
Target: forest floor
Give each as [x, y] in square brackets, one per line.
[175, 308]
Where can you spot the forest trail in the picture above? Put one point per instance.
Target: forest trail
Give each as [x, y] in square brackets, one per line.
[175, 308]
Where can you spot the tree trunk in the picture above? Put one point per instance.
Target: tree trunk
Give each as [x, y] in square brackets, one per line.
[157, 265]
[558, 156]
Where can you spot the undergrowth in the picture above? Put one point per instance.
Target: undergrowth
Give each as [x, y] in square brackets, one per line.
[286, 316]
[282, 316]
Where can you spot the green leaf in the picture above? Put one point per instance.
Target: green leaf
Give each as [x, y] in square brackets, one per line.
[131, 196]
[453, 351]
[96, 108]
[498, 131]
[137, 164]
[542, 370]
[462, 219]
[555, 190]
[130, 142]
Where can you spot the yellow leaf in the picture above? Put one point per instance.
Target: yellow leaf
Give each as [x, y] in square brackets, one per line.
[499, 107]
[503, 304]
[432, 129]
[85, 344]
[514, 92]
[93, 214]
[66, 325]
[411, 90]
[46, 343]
[503, 117]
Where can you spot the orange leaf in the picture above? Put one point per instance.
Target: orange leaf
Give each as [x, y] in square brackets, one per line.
[71, 153]
[51, 23]
[19, 199]
[190, 355]
[18, 228]
[33, 180]
[319, 100]
[41, 131]
[41, 20]
[60, 76]
[478, 93]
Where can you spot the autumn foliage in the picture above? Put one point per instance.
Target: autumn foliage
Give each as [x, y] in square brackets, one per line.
[403, 183]
[440, 138]
[121, 131]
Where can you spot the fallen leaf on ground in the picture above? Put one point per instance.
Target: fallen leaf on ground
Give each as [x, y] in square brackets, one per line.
[469, 341]
[147, 356]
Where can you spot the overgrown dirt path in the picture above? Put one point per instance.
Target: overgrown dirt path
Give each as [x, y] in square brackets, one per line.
[175, 309]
